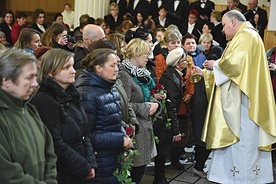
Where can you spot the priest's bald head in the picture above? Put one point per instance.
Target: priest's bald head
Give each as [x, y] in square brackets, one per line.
[92, 33]
[231, 22]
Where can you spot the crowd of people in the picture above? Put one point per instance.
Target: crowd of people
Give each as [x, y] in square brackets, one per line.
[74, 99]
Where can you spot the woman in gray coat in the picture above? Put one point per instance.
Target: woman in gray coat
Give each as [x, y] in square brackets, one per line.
[138, 84]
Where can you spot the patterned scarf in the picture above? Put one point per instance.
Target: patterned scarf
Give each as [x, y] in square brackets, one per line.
[141, 77]
[134, 70]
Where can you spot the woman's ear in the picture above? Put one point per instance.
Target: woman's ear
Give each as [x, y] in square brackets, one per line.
[135, 55]
[99, 70]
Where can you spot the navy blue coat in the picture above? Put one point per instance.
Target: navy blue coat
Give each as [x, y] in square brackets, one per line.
[102, 104]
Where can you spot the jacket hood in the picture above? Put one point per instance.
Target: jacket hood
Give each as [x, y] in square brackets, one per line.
[87, 78]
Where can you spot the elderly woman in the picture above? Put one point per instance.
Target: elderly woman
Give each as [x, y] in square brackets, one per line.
[58, 104]
[102, 104]
[26, 146]
[138, 83]
[173, 83]
[29, 40]
[172, 39]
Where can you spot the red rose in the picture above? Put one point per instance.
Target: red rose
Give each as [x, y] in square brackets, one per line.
[129, 131]
[159, 86]
[152, 92]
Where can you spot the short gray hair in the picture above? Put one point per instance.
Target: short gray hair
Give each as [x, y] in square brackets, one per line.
[235, 14]
[172, 34]
[12, 60]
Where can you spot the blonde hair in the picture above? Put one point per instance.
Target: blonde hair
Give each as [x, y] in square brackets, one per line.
[172, 26]
[52, 62]
[209, 37]
[136, 47]
[216, 15]
[113, 6]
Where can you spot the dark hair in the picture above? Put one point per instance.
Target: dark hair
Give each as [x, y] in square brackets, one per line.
[188, 36]
[135, 20]
[83, 18]
[67, 4]
[163, 7]
[139, 33]
[101, 44]
[96, 57]
[99, 21]
[48, 37]
[128, 16]
[210, 25]
[36, 14]
[148, 23]
[57, 15]
[90, 20]
[20, 14]
[8, 12]
[215, 52]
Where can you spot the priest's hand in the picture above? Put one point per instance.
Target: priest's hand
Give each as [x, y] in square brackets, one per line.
[196, 71]
[208, 64]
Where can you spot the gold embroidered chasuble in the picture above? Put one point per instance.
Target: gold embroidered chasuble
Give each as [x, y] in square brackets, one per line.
[244, 62]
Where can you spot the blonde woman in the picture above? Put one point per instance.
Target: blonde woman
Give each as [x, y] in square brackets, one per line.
[206, 39]
[114, 19]
[138, 83]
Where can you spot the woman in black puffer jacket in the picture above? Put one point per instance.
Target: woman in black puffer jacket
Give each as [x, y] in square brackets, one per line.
[102, 104]
[58, 104]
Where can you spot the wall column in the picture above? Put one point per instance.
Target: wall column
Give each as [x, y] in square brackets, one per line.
[94, 8]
